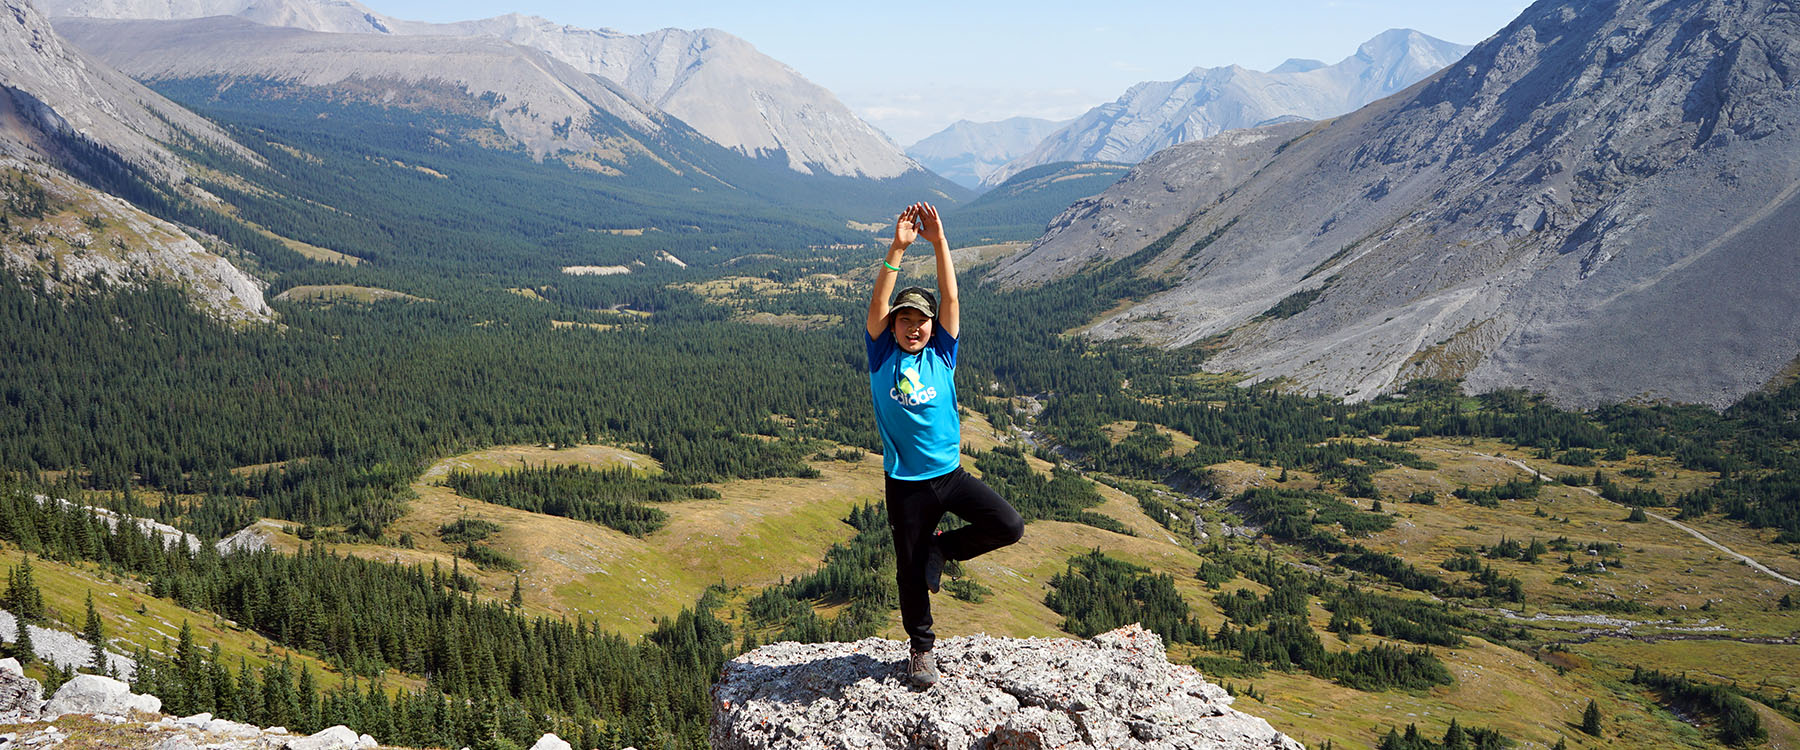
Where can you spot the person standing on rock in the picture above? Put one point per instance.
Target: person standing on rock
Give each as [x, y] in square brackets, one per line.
[912, 378]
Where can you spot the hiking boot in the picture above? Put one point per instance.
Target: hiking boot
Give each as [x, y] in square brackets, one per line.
[934, 566]
[922, 669]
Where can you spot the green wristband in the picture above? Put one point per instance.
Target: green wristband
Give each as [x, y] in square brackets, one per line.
[891, 267]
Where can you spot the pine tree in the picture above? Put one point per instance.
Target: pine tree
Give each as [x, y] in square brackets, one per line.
[22, 649]
[1454, 737]
[95, 634]
[23, 598]
[1562, 743]
[1590, 719]
[518, 595]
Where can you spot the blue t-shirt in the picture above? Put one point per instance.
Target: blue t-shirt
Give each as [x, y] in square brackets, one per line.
[915, 406]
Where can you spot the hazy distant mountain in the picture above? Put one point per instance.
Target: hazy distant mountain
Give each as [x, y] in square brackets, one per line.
[1157, 114]
[717, 83]
[967, 151]
[1599, 203]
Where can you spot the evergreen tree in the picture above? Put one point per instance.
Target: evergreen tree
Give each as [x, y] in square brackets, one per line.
[1562, 743]
[1455, 738]
[1590, 719]
[94, 632]
[22, 647]
[23, 598]
[518, 595]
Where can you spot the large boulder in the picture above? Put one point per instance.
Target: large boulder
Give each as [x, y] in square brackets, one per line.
[20, 697]
[93, 694]
[339, 737]
[1116, 691]
[551, 742]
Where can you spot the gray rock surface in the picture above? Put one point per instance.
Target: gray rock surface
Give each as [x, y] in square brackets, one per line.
[1154, 115]
[551, 742]
[93, 694]
[133, 246]
[339, 737]
[1597, 203]
[21, 698]
[1117, 690]
[63, 648]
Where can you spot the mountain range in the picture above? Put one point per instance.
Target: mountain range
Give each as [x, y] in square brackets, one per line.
[1156, 114]
[1596, 203]
[718, 84]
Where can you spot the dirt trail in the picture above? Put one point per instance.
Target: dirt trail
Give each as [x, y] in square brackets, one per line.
[1670, 521]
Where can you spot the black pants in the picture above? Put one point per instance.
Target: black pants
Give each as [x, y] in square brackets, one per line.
[914, 509]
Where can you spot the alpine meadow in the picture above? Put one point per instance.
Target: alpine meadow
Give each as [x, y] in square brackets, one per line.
[379, 382]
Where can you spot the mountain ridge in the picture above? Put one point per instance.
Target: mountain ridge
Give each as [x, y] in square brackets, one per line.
[1548, 213]
[1152, 115]
[708, 78]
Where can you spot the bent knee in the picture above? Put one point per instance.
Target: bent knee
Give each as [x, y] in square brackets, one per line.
[1012, 531]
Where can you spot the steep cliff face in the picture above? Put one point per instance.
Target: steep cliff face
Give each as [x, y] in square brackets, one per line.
[50, 90]
[1591, 204]
[1115, 691]
[1154, 115]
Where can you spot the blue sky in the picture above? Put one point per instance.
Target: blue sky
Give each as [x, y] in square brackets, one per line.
[913, 68]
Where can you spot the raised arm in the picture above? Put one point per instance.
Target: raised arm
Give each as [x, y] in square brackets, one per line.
[885, 276]
[949, 312]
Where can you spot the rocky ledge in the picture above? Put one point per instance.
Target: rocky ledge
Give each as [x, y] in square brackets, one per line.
[1116, 690]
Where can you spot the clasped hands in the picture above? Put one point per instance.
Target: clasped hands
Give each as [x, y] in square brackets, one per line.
[919, 220]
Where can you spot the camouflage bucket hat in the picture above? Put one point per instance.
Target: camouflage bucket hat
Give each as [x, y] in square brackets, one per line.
[918, 298]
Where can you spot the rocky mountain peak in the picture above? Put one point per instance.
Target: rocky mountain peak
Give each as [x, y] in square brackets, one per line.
[1116, 690]
[1595, 203]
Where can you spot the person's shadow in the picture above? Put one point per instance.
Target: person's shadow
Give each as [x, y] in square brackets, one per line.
[802, 683]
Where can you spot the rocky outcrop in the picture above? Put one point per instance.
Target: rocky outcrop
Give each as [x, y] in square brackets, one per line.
[1596, 204]
[21, 698]
[1117, 690]
[113, 703]
[1154, 115]
[90, 237]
